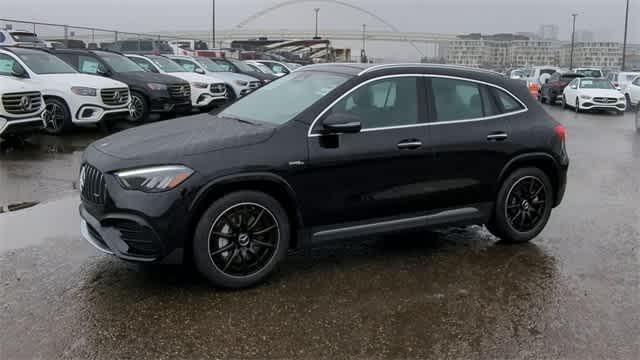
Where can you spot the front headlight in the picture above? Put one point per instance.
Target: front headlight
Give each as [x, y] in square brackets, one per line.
[586, 97]
[154, 179]
[154, 86]
[84, 91]
[200, 85]
[241, 82]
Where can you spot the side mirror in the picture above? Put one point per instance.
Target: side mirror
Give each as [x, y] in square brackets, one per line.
[102, 72]
[573, 87]
[198, 71]
[342, 123]
[19, 72]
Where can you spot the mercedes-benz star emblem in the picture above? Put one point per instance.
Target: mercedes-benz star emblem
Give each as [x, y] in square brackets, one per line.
[25, 103]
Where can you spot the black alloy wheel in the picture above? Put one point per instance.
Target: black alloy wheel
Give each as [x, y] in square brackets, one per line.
[523, 206]
[138, 108]
[56, 116]
[241, 239]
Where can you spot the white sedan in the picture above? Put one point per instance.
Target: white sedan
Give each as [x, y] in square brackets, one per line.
[632, 93]
[593, 94]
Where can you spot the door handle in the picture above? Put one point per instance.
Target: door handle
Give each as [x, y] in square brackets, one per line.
[410, 144]
[497, 136]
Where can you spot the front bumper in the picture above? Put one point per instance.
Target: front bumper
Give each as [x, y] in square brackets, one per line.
[92, 114]
[19, 126]
[162, 102]
[591, 105]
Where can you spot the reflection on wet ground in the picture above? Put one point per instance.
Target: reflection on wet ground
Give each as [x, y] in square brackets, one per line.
[455, 293]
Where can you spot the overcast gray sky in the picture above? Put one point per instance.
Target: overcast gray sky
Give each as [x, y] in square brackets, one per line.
[444, 16]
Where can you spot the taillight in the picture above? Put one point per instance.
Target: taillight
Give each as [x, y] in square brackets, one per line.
[561, 131]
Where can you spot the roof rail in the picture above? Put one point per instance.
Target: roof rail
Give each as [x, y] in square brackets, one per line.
[442, 66]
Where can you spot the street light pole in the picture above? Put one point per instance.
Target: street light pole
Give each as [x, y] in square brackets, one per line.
[213, 24]
[573, 40]
[317, 10]
[363, 53]
[624, 44]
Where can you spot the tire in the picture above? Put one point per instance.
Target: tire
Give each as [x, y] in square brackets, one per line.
[541, 97]
[139, 108]
[577, 108]
[638, 120]
[227, 269]
[563, 103]
[57, 116]
[629, 104]
[506, 224]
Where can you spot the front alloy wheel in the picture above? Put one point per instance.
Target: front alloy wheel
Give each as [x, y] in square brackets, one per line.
[241, 239]
[56, 117]
[138, 108]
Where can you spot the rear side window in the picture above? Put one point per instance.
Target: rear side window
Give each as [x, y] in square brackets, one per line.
[507, 102]
[187, 65]
[456, 99]
[146, 65]
[146, 45]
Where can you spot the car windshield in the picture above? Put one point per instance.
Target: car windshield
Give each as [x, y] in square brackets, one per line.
[596, 84]
[166, 65]
[44, 63]
[569, 77]
[262, 67]
[119, 63]
[211, 66]
[630, 77]
[589, 72]
[301, 89]
[241, 65]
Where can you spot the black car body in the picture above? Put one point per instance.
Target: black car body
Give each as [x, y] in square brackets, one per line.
[553, 87]
[150, 92]
[240, 67]
[342, 164]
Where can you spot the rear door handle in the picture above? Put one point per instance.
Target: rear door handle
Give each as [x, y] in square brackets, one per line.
[410, 144]
[497, 136]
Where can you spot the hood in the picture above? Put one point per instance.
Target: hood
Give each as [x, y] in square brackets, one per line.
[143, 77]
[77, 79]
[602, 93]
[11, 85]
[175, 138]
[261, 76]
[193, 77]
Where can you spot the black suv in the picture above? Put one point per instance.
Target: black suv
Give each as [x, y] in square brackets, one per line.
[150, 92]
[240, 67]
[328, 152]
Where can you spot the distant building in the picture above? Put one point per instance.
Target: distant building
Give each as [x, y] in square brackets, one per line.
[549, 32]
[585, 36]
[592, 54]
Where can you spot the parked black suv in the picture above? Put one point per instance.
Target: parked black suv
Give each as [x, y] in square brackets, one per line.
[327, 152]
[240, 67]
[150, 92]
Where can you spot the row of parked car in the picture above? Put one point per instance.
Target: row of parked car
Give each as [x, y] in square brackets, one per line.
[59, 89]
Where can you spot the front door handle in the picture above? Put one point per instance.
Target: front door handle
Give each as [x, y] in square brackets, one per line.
[497, 136]
[410, 144]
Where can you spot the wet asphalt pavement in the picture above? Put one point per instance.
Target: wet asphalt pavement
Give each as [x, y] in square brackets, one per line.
[573, 293]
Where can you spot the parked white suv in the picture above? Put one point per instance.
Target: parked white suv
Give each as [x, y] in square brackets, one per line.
[206, 91]
[71, 98]
[20, 38]
[20, 107]
[240, 84]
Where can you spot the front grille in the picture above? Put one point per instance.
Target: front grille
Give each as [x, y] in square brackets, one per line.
[254, 85]
[115, 97]
[179, 91]
[603, 100]
[92, 186]
[139, 238]
[22, 103]
[218, 88]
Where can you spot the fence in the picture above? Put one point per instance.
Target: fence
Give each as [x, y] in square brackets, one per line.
[89, 35]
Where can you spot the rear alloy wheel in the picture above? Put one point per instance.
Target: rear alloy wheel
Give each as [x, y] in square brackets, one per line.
[240, 239]
[523, 206]
[138, 108]
[56, 116]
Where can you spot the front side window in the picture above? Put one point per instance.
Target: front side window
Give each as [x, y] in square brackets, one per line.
[383, 103]
[8, 64]
[224, 65]
[456, 99]
[145, 64]
[637, 81]
[301, 90]
[119, 63]
[211, 65]
[241, 65]
[43, 63]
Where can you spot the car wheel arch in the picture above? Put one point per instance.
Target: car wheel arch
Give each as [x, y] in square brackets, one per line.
[269, 183]
[543, 161]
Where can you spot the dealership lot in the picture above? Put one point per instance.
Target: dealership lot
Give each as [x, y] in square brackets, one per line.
[574, 292]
